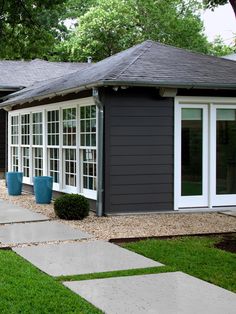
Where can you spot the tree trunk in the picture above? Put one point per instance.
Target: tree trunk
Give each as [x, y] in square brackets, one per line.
[233, 4]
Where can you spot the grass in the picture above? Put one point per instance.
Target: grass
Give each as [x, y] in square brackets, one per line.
[120, 273]
[193, 255]
[24, 289]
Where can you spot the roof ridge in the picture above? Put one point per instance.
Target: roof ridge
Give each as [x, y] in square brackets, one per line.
[137, 57]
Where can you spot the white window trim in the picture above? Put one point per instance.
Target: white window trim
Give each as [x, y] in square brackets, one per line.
[89, 101]
[213, 103]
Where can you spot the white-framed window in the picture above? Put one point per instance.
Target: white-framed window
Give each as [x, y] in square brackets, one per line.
[57, 140]
[88, 142]
[26, 162]
[53, 145]
[14, 130]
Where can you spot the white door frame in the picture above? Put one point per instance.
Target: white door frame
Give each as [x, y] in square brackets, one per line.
[209, 160]
[198, 200]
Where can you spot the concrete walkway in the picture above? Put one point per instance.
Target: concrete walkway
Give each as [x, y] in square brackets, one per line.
[63, 250]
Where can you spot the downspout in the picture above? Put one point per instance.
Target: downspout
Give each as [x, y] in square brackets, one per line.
[100, 179]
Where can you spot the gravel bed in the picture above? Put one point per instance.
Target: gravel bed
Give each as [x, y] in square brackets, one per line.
[134, 226]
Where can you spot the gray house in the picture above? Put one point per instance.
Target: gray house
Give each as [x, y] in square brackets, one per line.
[150, 129]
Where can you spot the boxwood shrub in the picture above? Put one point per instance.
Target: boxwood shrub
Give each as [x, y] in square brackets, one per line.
[71, 207]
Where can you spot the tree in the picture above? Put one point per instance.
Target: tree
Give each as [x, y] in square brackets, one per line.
[30, 28]
[218, 48]
[211, 4]
[110, 26]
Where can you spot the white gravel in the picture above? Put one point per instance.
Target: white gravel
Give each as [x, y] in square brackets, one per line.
[134, 226]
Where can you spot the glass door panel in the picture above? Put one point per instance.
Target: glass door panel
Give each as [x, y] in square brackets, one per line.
[225, 151]
[193, 174]
[191, 152]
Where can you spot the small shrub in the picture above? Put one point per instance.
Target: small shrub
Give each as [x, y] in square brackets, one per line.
[71, 207]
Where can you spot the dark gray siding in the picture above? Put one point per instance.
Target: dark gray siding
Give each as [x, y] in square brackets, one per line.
[139, 146]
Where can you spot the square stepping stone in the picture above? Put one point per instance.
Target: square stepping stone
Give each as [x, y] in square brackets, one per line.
[83, 258]
[39, 232]
[166, 293]
[10, 213]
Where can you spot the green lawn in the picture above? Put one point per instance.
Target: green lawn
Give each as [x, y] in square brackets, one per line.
[24, 289]
[193, 255]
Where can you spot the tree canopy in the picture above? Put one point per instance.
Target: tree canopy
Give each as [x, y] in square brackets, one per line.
[30, 28]
[36, 29]
[110, 26]
[211, 4]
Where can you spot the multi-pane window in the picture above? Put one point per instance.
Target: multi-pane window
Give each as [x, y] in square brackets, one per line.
[14, 130]
[88, 140]
[25, 129]
[70, 167]
[88, 126]
[25, 162]
[54, 164]
[69, 127]
[38, 161]
[53, 124]
[38, 128]
[14, 158]
[60, 141]
[89, 169]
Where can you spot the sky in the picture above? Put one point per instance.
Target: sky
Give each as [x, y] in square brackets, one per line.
[222, 22]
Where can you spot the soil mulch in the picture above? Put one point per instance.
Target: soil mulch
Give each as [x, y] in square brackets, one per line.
[228, 243]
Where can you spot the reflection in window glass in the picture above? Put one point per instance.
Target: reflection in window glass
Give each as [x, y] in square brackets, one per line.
[191, 152]
[14, 158]
[38, 128]
[53, 125]
[88, 126]
[226, 151]
[69, 127]
[38, 161]
[25, 129]
[54, 164]
[70, 167]
[89, 169]
[25, 161]
[14, 130]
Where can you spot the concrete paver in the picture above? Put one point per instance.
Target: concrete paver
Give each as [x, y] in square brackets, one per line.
[10, 213]
[166, 293]
[83, 258]
[39, 232]
[229, 213]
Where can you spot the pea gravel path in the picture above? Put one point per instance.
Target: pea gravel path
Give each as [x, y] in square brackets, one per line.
[135, 225]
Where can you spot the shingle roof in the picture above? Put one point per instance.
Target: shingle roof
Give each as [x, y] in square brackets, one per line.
[146, 64]
[25, 73]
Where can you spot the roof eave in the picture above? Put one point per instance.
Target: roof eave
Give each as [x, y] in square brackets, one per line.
[123, 83]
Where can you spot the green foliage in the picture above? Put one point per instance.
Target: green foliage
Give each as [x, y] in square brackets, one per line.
[218, 48]
[71, 206]
[30, 28]
[195, 256]
[111, 26]
[25, 289]
[211, 4]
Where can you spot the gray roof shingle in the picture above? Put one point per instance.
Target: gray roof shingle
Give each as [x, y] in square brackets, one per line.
[25, 73]
[146, 64]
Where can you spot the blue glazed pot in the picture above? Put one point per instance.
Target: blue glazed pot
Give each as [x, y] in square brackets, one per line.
[43, 189]
[14, 182]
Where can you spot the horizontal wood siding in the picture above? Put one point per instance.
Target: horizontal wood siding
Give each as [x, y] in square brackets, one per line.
[139, 152]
